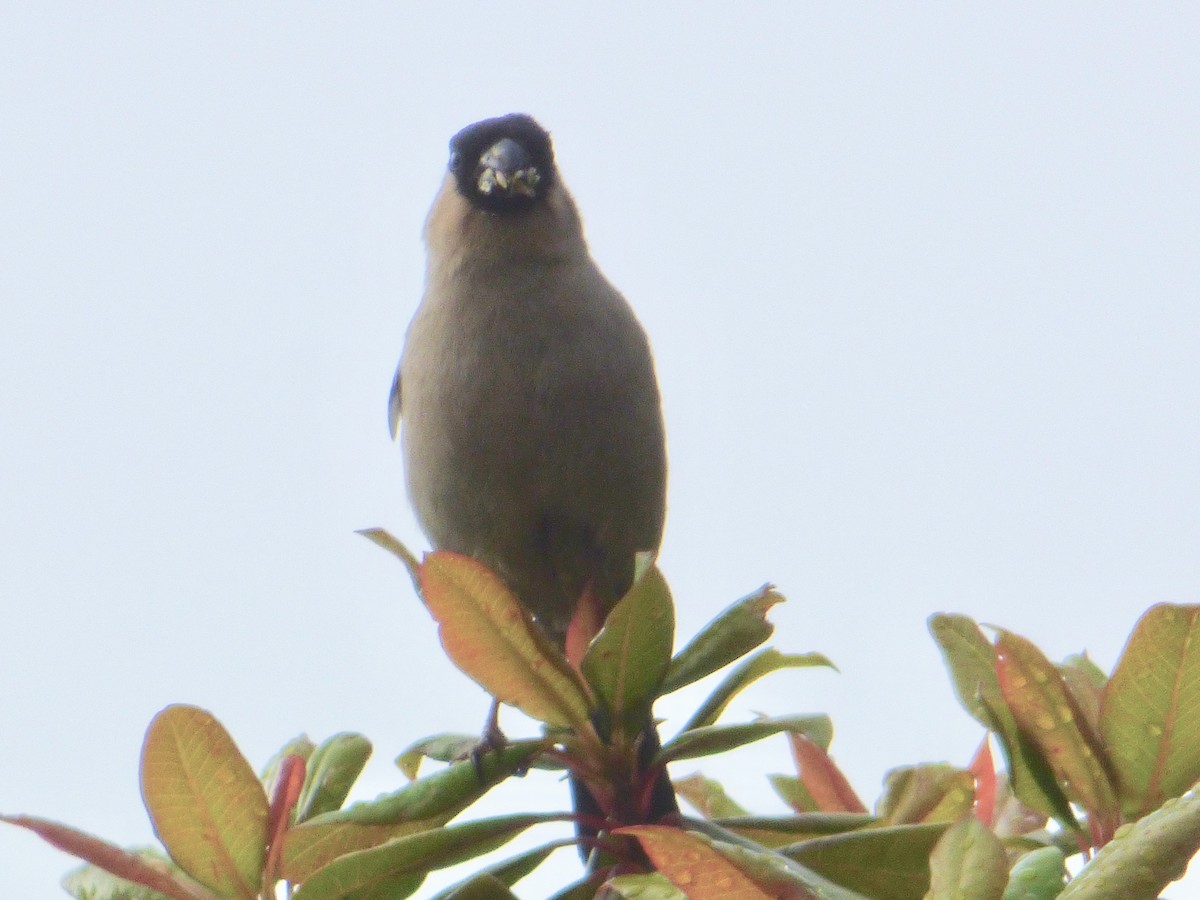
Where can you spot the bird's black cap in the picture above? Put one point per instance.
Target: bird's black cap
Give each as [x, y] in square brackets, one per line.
[504, 164]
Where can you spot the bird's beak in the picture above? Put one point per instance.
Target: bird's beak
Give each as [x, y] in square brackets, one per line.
[507, 168]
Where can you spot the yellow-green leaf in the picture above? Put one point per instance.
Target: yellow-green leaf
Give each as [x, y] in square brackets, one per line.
[934, 792]
[208, 807]
[1150, 713]
[492, 638]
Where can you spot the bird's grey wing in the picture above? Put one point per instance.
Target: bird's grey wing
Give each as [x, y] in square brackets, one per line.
[394, 405]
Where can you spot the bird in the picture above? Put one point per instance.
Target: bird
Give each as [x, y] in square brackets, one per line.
[533, 436]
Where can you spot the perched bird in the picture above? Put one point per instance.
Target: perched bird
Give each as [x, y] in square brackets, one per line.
[533, 433]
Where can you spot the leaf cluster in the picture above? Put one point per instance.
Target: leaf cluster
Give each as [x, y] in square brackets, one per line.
[1098, 771]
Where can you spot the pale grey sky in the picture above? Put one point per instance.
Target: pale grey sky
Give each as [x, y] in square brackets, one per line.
[923, 284]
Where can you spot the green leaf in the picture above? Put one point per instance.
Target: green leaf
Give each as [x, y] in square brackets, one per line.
[333, 768]
[898, 854]
[506, 873]
[934, 792]
[967, 863]
[1144, 857]
[707, 795]
[420, 806]
[481, 887]
[728, 637]
[654, 886]
[627, 661]
[719, 738]
[1150, 714]
[208, 807]
[793, 791]
[750, 670]
[492, 638]
[1085, 681]
[783, 831]
[411, 858]
[1048, 715]
[1038, 875]
[971, 659]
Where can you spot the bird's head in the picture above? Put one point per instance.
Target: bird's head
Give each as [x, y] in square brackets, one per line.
[504, 164]
[502, 199]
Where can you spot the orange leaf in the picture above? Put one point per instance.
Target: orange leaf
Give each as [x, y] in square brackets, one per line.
[490, 636]
[693, 865]
[824, 780]
[984, 770]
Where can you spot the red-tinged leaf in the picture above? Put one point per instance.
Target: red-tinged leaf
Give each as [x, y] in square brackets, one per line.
[410, 858]
[824, 781]
[707, 796]
[1150, 715]
[719, 738]
[491, 637]
[693, 866]
[745, 674]
[287, 791]
[933, 792]
[585, 624]
[207, 805]
[983, 768]
[968, 861]
[298, 746]
[626, 662]
[971, 659]
[120, 862]
[1047, 714]
[728, 637]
